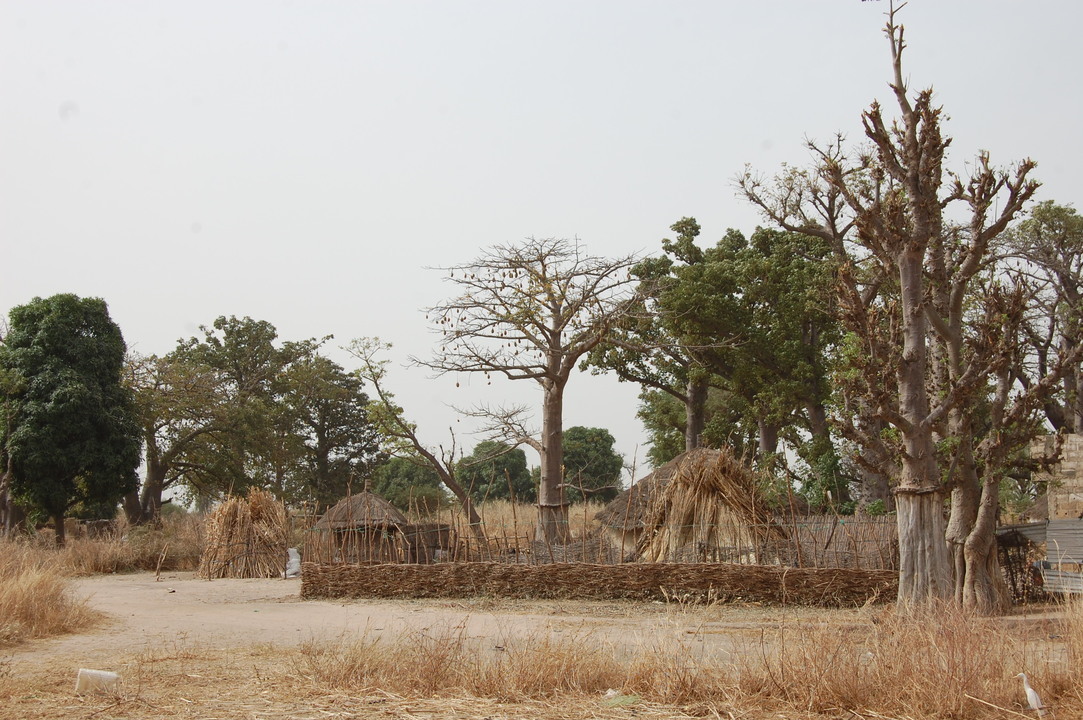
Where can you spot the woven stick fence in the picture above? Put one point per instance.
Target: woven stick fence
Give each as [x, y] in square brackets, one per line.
[799, 541]
[714, 582]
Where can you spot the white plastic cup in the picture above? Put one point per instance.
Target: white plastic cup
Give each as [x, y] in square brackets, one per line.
[96, 680]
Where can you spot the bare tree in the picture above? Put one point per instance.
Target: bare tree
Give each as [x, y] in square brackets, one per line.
[530, 312]
[925, 349]
[402, 434]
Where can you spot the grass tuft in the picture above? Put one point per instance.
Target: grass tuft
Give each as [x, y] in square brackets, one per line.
[35, 596]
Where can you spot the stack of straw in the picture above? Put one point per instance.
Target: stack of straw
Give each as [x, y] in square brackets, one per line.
[714, 507]
[245, 538]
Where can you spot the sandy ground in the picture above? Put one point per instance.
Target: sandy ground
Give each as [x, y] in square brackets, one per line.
[222, 649]
[142, 612]
[226, 649]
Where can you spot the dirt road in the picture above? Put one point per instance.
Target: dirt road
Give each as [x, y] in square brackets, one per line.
[144, 613]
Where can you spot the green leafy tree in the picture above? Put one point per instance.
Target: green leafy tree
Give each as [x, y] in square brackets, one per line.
[74, 437]
[257, 445]
[496, 471]
[664, 419]
[759, 310]
[327, 412]
[409, 483]
[646, 348]
[11, 515]
[236, 408]
[592, 467]
[182, 407]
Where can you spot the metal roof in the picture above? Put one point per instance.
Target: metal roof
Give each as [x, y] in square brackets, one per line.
[1064, 541]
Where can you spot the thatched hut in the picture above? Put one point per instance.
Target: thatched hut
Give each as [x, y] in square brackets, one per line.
[711, 510]
[624, 518]
[360, 528]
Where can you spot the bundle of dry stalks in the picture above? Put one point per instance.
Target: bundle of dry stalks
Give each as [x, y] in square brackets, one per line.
[246, 538]
[713, 506]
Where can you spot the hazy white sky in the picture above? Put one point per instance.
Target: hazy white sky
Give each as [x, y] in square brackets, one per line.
[305, 162]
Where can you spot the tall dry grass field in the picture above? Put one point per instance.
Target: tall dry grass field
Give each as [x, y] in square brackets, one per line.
[35, 594]
[176, 544]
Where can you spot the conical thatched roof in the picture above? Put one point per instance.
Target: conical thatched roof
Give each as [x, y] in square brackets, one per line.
[711, 504]
[628, 510]
[360, 511]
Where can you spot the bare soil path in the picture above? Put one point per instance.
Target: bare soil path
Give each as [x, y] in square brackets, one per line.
[141, 612]
[227, 649]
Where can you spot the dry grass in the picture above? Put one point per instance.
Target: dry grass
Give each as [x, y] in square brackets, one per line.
[174, 545]
[824, 665]
[940, 665]
[446, 663]
[35, 599]
[503, 518]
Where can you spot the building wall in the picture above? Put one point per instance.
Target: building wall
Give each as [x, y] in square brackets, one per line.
[1066, 488]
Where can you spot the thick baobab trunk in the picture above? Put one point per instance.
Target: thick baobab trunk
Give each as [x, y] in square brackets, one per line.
[695, 410]
[924, 572]
[144, 505]
[924, 567]
[983, 588]
[971, 531]
[133, 510]
[552, 508]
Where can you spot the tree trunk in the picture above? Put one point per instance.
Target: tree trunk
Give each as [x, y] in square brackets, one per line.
[476, 528]
[552, 509]
[876, 486]
[983, 587]
[971, 532]
[11, 515]
[768, 438]
[133, 510]
[924, 572]
[695, 411]
[58, 524]
[875, 483]
[924, 569]
[965, 496]
[144, 505]
[1073, 383]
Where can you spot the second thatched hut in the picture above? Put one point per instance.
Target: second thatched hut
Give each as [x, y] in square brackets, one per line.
[624, 518]
[360, 528]
[702, 506]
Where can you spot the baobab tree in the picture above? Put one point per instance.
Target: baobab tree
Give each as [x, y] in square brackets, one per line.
[931, 331]
[530, 311]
